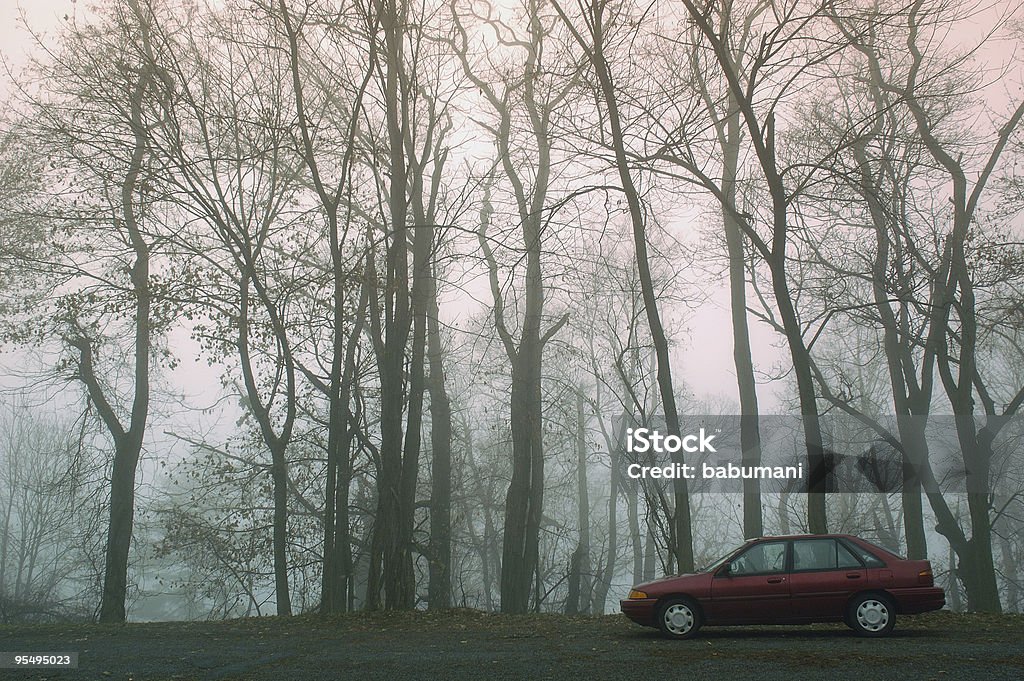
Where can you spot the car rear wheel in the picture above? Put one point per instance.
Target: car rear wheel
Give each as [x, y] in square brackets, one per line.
[871, 615]
[679, 618]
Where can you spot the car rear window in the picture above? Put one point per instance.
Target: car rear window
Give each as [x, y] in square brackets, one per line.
[869, 558]
[885, 550]
[844, 558]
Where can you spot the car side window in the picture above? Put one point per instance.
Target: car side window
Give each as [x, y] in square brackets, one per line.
[760, 559]
[814, 554]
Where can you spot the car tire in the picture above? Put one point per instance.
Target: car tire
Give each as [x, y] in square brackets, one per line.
[871, 615]
[679, 618]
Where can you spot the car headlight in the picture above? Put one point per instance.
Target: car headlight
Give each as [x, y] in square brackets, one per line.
[634, 594]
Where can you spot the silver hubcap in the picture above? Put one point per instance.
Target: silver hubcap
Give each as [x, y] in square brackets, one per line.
[872, 615]
[678, 618]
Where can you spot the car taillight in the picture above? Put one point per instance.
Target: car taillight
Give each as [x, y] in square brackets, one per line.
[634, 594]
[925, 577]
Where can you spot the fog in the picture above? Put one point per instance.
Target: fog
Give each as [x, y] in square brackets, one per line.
[316, 307]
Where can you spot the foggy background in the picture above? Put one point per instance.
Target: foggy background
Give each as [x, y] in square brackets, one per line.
[221, 528]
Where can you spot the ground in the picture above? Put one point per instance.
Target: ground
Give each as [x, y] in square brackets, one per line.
[465, 645]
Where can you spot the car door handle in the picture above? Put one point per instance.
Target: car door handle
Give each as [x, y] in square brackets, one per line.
[776, 580]
[853, 575]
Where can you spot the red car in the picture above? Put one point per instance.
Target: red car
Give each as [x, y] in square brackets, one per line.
[791, 580]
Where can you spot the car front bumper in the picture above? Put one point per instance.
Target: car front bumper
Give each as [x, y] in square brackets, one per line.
[640, 610]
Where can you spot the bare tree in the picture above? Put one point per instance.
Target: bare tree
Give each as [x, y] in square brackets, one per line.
[335, 194]
[537, 98]
[222, 143]
[95, 117]
[45, 467]
[951, 324]
[595, 46]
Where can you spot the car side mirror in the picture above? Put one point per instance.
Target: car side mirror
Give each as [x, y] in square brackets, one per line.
[726, 570]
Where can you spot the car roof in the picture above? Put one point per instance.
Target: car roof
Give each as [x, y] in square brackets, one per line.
[801, 536]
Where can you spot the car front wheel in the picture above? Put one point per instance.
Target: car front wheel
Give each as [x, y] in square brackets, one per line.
[679, 618]
[871, 615]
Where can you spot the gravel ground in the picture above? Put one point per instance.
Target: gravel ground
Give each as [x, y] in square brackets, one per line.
[463, 645]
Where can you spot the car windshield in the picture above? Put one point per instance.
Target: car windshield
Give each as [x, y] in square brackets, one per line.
[715, 565]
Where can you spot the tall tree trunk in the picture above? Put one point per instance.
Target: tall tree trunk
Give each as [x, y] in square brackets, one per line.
[762, 137]
[119, 533]
[522, 502]
[424, 308]
[525, 498]
[1011, 573]
[422, 241]
[905, 394]
[953, 583]
[650, 554]
[895, 351]
[635, 534]
[750, 432]
[279, 475]
[127, 441]
[337, 577]
[277, 442]
[485, 544]
[439, 585]
[337, 567]
[583, 567]
[611, 552]
[818, 470]
[390, 534]
[682, 530]
[977, 567]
